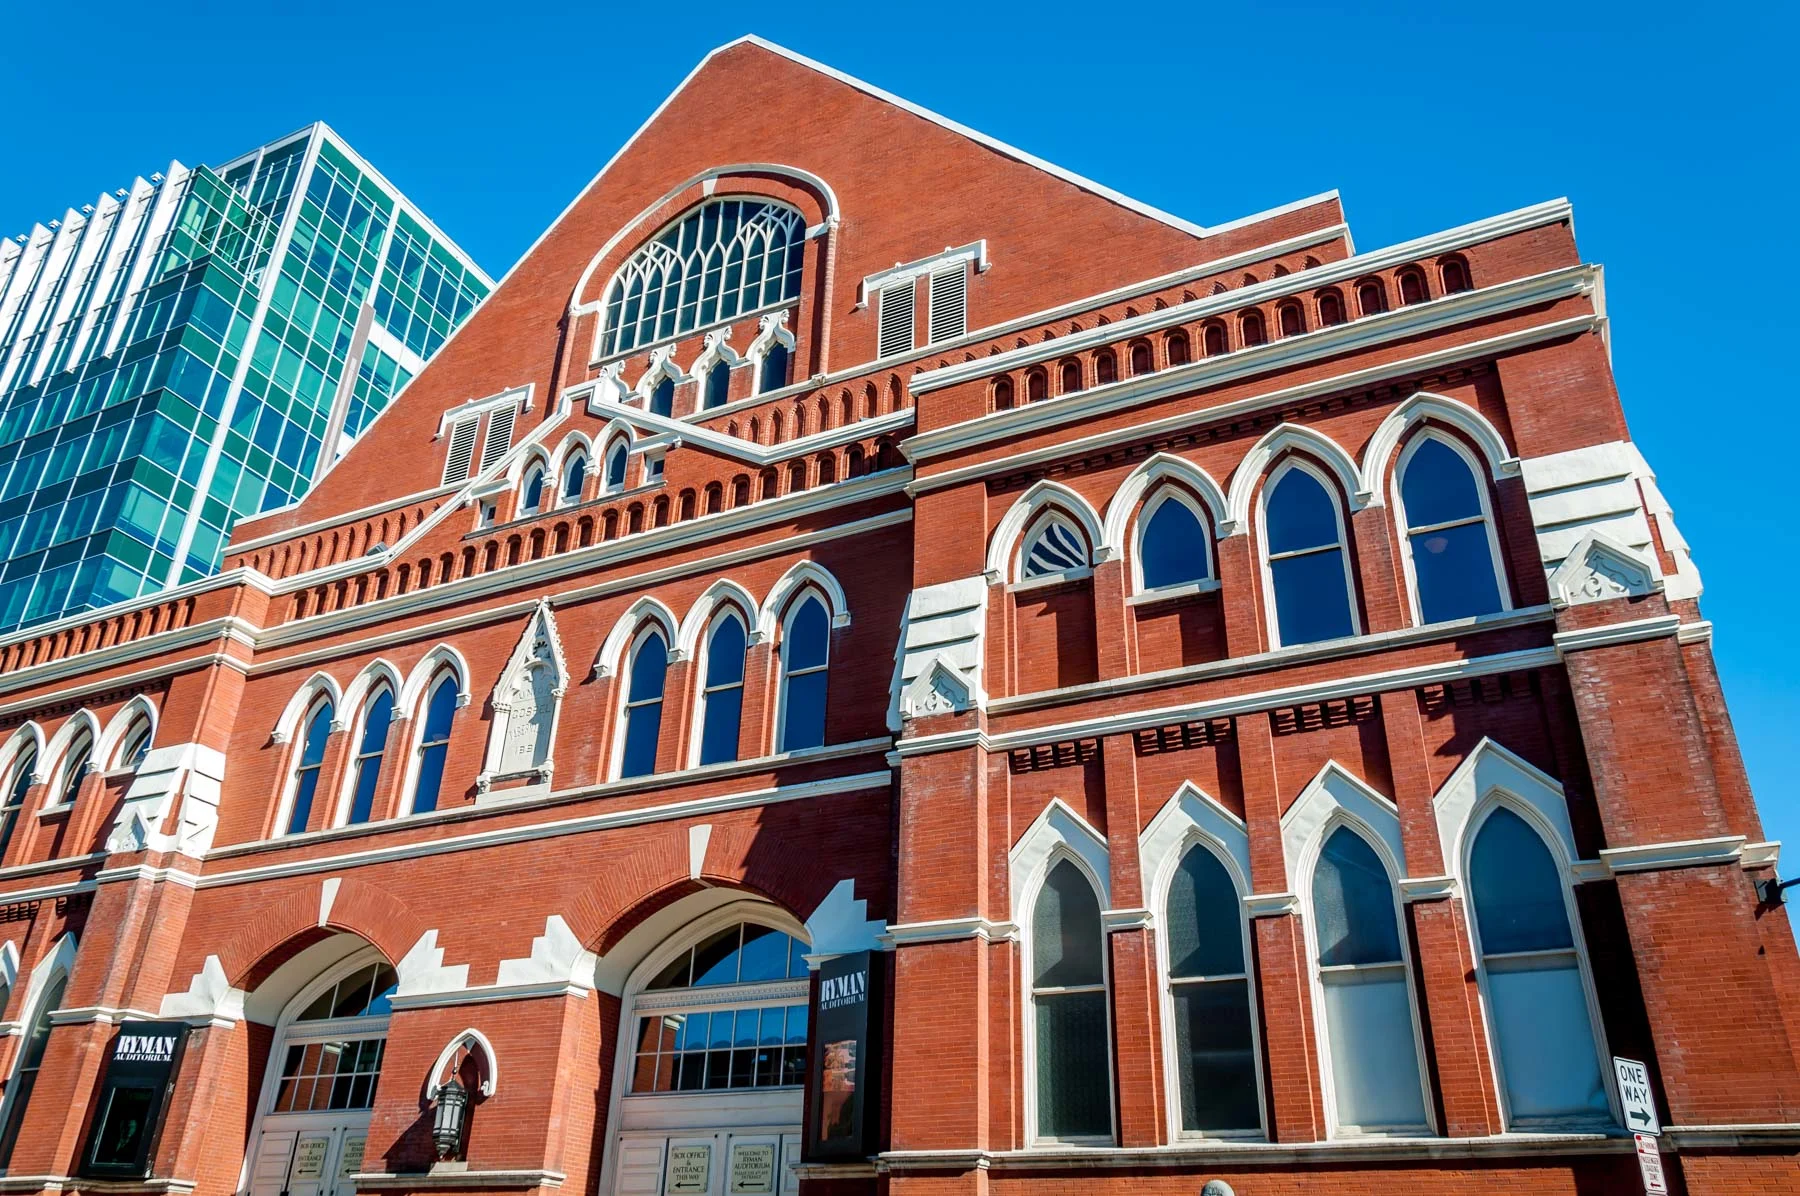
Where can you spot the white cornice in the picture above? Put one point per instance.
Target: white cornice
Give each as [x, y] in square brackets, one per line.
[949, 930]
[1695, 633]
[218, 581]
[1684, 853]
[482, 994]
[230, 628]
[669, 433]
[317, 525]
[1427, 888]
[1607, 634]
[1271, 905]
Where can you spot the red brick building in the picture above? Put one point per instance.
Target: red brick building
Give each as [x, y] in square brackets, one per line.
[1249, 696]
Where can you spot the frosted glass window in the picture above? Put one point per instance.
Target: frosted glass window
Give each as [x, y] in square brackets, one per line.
[805, 665]
[1172, 546]
[644, 706]
[1307, 563]
[1543, 1030]
[1210, 991]
[1070, 1024]
[1448, 535]
[722, 694]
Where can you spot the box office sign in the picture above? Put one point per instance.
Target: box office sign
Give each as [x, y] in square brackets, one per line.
[845, 1108]
[140, 1070]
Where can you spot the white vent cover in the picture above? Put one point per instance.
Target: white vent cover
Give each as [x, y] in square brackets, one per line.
[949, 303]
[499, 437]
[462, 449]
[894, 322]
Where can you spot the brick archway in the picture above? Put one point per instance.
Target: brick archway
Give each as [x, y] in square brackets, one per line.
[284, 926]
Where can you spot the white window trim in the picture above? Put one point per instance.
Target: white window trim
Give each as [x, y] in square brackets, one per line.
[1168, 493]
[415, 750]
[1478, 475]
[138, 709]
[1004, 546]
[974, 251]
[1272, 613]
[646, 626]
[790, 608]
[701, 654]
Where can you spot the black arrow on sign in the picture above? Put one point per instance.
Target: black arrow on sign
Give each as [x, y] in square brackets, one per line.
[1638, 1116]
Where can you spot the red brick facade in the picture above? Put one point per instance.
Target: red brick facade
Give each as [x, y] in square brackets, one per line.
[1000, 700]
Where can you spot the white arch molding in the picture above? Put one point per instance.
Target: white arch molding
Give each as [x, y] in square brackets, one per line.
[1290, 438]
[490, 1080]
[721, 594]
[648, 609]
[289, 721]
[801, 576]
[1140, 482]
[1042, 496]
[120, 726]
[1423, 407]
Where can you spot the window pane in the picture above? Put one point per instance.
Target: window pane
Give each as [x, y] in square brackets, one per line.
[1300, 514]
[1055, 549]
[1205, 919]
[1374, 1059]
[375, 723]
[1517, 891]
[431, 777]
[764, 954]
[716, 959]
[1217, 1061]
[303, 799]
[1065, 931]
[648, 667]
[1546, 1041]
[362, 801]
[1454, 567]
[1173, 546]
[808, 636]
[442, 711]
[803, 719]
[1311, 601]
[719, 733]
[725, 653]
[1074, 1095]
[1438, 486]
[1353, 904]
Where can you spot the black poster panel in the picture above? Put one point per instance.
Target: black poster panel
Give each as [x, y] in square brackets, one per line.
[845, 1069]
[134, 1089]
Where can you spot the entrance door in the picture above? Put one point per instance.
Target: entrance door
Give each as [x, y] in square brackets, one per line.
[721, 1163]
[315, 1160]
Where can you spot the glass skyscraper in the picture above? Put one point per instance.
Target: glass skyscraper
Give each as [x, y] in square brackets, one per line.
[199, 347]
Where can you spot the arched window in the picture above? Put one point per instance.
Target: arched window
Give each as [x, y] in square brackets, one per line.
[1454, 273]
[31, 1061]
[725, 258]
[1214, 340]
[76, 759]
[662, 397]
[574, 477]
[1171, 548]
[1177, 347]
[1293, 323]
[1053, 547]
[718, 384]
[1450, 543]
[1071, 376]
[1250, 325]
[1037, 386]
[135, 745]
[616, 457]
[1309, 571]
[1331, 309]
[1367, 994]
[644, 705]
[1412, 287]
[1106, 368]
[1536, 994]
[1143, 361]
[773, 373]
[722, 690]
[1003, 394]
[531, 494]
[377, 716]
[1371, 297]
[1069, 1021]
[306, 769]
[805, 665]
[13, 800]
[434, 743]
[330, 1049]
[1209, 990]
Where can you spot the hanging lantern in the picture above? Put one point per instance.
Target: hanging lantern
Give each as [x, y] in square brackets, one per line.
[448, 1119]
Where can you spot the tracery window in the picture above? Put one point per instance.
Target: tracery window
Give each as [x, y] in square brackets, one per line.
[727, 257]
[1052, 548]
[1309, 571]
[1449, 535]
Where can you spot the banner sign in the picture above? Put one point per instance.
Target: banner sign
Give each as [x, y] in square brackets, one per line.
[846, 1025]
[140, 1070]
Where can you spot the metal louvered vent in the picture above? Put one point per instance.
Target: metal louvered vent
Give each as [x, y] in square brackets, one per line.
[462, 449]
[949, 303]
[499, 437]
[894, 321]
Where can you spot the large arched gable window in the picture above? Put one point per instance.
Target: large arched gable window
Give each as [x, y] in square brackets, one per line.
[1172, 541]
[1070, 1023]
[722, 688]
[1538, 996]
[805, 666]
[308, 762]
[1211, 998]
[43, 998]
[1452, 554]
[1305, 554]
[371, 744]
[725, 258]
[645, 675]
[441, 704]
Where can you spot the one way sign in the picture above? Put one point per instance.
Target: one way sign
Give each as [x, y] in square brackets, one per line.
[1634, 1096]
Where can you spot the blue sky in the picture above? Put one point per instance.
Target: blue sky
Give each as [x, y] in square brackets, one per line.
[1670, 129]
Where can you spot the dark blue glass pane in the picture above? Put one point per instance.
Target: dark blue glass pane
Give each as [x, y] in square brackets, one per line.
[1517, 890]
[648, 667]
[575, 478]
[1455, 570]
[718, 385]
[774, 368]
[662, 398]
[375, 724]
[1173, 547]
[362, 801]
[1311, 603]
[615, 466]
[1437, 486]
[725, 653]
[803, 720]
[642, 726]
[719, 733]
[441, 711]
[534, 491]
[303, 799]
[1206, 926]
[808, 637]
[1300, 514]
[431, 778]
[765, 954]
[1353, 904]
[313, 749]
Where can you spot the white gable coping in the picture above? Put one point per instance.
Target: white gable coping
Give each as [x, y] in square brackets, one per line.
[1337, 795]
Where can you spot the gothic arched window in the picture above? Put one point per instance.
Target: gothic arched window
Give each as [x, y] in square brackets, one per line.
[718, 383]
[13, 801]
[1171, 548]
[369, 748]
[1070, 1028]
[434, 743]
[1209, 989]
[644, 705]
[1053, 547]
[722, 691]
[306, 768]
[574, 477]
[805, 665]
[1449, 535]
[1309, 572]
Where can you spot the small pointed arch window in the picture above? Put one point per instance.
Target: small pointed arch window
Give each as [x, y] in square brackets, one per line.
[1453, 272]
[1412, 286]
[1143, 359]
[31, 1062]
[575, 470]
[371, 744]
[1054, 546]
[805, 669]
[1037, 386]
[645, 676]
[12, 800]
[1070, 1025]
[1309, 569]
[1370, 1024]
[1452, 552]
[1331, 309]
[1371, 297]
[316, 728]
[75, 766]
[1106, 368]
[722, 689]
[662, 396]
[1172, 542]
[1215, 340]
[618, 454]
[1251, 330]
[434, 742]
[1211, 999]
[135, 744]
[772, 372]
[1536, 990]
[1293, 320]
[531, 492]
[718, 384]
[1071, 376]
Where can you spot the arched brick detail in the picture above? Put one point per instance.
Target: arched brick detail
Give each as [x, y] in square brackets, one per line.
[284, 926]
[652, 875]
[749, 857]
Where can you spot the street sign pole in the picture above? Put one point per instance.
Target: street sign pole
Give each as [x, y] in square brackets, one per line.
[1639, 1108]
